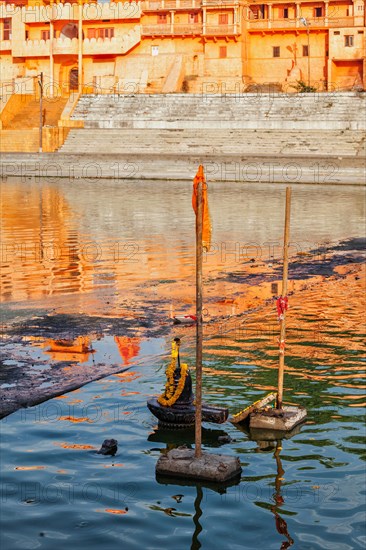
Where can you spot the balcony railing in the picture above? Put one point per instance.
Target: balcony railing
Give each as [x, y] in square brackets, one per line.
[219, 3]
[318, 22]
[161, 5]
[5, 45]
[221, 30]
[171, 30]
[70, 12]
[69, 46]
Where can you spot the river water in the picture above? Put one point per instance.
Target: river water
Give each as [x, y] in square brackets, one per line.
[125, 250]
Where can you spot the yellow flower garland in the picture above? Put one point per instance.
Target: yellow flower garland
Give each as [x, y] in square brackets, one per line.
[170, 396]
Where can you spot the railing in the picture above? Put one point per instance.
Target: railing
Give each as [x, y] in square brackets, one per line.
[221, 30]
[158, 5]
[69, 46]
[70, 12]
[318, 22]
[219, 3]
[5, 45]
[171, 30]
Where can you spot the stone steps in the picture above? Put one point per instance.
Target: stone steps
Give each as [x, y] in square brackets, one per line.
[226, 142]
[276, 111]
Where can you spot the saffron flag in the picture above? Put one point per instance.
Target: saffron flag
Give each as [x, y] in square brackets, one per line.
[206, 221]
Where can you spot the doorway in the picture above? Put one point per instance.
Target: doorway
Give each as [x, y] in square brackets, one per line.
[74, 79]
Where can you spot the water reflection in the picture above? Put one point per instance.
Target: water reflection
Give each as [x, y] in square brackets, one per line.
[55, 444]
[281, 524]
[110, 240]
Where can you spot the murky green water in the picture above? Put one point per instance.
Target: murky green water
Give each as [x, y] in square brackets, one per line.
[307, 492]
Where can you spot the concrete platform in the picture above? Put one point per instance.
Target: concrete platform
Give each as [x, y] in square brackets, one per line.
[278, 420]
[181, 462]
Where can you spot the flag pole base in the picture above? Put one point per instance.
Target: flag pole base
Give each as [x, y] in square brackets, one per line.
[283, 420]
[182, 463]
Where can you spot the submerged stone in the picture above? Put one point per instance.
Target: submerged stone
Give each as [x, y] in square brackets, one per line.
[109, 447]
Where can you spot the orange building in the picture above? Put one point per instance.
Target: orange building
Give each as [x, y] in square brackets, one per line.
[181, 45]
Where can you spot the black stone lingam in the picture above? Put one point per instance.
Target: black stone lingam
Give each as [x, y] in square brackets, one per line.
[182, 413]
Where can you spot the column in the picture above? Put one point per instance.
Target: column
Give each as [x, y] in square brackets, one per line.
[269, 16]
[298, 12]
[204, 20]
[52, 32]
[172, 22]
[80, 47]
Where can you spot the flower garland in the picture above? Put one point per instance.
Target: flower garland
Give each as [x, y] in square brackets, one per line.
[170, 395]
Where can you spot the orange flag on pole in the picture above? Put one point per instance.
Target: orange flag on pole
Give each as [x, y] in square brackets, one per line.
[206, 220]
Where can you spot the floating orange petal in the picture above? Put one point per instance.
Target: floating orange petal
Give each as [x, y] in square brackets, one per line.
[74, 446]
[74, 419]
[30, 468]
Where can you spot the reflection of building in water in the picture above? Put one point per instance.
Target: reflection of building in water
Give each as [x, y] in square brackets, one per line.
[40, 244]
[128, 347]
[77, 350]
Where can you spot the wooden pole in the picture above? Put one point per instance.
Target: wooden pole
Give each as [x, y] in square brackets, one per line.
[199, 332]
[40, 82]
[286, 237]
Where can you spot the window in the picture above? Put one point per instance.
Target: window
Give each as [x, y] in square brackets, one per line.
[222, 52]
[318, 12]
[108, 33]
[305, 51]
[276, 51]
[337, 32]
[193, 18]
[101, 33]
[162, 18]
[154, 50]
[223, 18]
[7, 29]
[285, 13]
[45, 35]
[348, 40]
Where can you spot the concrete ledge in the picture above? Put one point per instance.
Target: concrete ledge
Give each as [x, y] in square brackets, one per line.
[223, 168]
[181, 462]
[65, 119]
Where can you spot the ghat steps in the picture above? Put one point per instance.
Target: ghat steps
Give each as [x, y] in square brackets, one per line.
[216, 142]
[265, 111]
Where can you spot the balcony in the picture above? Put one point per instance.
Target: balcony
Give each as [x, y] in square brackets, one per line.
[219, 4]
[69, 46]
[221, 30]
[70, 12]
[316, 23]
[5, 45]
[172, 30]
[8, 10]
[165, 5]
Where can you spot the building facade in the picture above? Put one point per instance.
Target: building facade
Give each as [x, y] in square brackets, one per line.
[212, 46]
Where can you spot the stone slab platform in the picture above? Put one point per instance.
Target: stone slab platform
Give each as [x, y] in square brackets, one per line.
[181, 462]
[224, 168]
[284, 420]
